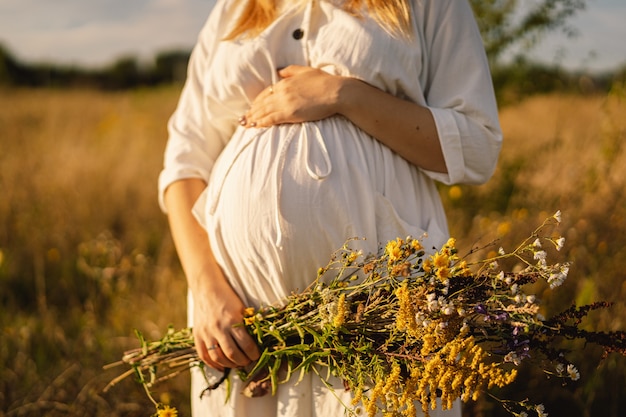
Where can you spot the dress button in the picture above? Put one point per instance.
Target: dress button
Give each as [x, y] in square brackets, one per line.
[298, 34]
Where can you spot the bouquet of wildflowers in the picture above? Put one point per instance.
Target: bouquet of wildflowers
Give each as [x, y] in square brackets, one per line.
[403, 329]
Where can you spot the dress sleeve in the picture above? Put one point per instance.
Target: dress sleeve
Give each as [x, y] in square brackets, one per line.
[197, 130]
[459, 92]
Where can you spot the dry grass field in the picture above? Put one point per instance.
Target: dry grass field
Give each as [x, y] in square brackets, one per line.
[85, 254]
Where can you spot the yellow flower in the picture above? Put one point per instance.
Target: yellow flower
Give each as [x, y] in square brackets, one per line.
[416, 245]
[352, 257]
[394, 249]
[441, 260]
[339, 318]
[450, 247]
[167, 411]
[443, 273]
[464, 269]
[248, 312]
[376, 394]
[393, 377]
[405, 318]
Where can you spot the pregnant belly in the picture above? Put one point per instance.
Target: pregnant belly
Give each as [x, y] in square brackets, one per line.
[281, 184]
[281, 200]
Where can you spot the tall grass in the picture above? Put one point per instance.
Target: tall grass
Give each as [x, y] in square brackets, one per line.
[85, 254]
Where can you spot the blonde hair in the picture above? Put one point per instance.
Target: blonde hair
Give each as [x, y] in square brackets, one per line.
[393, 15]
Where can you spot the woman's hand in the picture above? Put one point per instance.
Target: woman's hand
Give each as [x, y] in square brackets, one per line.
[304, 94]
[220, 337]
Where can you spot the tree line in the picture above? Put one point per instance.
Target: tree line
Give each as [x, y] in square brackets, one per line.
[124, 73]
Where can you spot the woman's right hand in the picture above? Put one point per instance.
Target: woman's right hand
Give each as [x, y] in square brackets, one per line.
[221, 339]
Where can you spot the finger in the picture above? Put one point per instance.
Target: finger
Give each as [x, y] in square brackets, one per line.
[218, 357]
[262, 116]
[262, 104]
[264, 97]
[246, 343]
[215, 365]
[230, 355]
[201, 349]
[203, 354]
[291, 70]
[267, 120]
[266, 93]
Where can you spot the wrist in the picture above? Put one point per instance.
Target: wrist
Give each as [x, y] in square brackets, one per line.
[206, 279]
[347, 95]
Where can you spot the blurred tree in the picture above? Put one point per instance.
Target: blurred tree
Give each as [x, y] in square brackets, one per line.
[521, 78]
[171, 67]
[8, 67]
[124, 73]
[508, 23]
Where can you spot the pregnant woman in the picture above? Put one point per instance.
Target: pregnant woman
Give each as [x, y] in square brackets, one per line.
[304, 123]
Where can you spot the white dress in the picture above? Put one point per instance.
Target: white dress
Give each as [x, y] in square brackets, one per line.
[280, 200]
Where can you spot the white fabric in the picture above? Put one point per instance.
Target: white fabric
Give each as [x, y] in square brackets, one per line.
[279, 200]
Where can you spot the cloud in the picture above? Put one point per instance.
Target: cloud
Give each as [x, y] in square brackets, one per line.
[43, 16]
[97, 32]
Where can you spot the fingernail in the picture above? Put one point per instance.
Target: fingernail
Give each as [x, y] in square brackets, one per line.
[242, 120]
[252, 124]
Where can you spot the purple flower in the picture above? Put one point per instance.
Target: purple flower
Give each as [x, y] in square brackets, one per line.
[501, 316]
[481, 309]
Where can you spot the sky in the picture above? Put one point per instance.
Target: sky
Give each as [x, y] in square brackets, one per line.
[94, 33]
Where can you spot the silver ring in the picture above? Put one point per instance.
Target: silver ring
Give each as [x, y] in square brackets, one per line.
[212, 347]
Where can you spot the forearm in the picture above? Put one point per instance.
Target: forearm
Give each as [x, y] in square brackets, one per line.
[405, 127]
[191, 240]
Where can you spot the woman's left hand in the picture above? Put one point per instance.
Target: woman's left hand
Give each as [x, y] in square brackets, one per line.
[303, 94]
